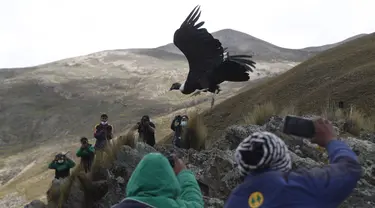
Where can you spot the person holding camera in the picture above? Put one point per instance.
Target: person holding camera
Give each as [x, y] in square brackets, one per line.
[178, 125]
[146, 130]
[62, 165]
[177, 128]
[86, 152]
[158, 182]
[263, 159]
[103, 133]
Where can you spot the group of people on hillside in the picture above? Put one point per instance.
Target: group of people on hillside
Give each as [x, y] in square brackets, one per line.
[264, 162]
[103, 133]
[262, 158]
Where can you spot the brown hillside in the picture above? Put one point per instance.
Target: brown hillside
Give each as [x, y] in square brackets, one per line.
[344, 73]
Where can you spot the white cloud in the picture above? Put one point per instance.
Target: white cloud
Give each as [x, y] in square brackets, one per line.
[38, 31]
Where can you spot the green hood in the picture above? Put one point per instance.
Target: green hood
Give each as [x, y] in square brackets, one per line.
[154, 182]
[153, 177]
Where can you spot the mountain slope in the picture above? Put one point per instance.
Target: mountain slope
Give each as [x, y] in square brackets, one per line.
[239, 42]
[344, 73]
[328, 46]
[63, 99]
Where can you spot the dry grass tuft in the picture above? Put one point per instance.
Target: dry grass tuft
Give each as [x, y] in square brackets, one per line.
[57, 195]
[196, 134]
[260, 114]
[356, 122]
[290, 110]
[354, 119]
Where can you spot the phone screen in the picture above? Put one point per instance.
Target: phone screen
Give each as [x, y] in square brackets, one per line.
[298, 126]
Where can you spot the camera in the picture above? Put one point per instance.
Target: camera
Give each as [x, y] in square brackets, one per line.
[171, 160]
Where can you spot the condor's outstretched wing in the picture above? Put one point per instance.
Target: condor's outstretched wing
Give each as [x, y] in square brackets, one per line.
[200, 48]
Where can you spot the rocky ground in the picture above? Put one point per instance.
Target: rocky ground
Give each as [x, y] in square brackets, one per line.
[215, 169]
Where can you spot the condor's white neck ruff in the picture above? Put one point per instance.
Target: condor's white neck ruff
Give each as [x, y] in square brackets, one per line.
[182, 86]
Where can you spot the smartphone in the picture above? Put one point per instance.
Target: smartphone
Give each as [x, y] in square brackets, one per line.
[298, 126]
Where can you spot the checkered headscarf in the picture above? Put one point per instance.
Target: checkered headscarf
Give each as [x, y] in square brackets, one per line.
[262, 150]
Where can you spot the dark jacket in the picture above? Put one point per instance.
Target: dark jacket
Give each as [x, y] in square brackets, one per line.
[325, 187]
[102, 134]
[176, 126]
[153, 183]
[146, 134]
[62, 170]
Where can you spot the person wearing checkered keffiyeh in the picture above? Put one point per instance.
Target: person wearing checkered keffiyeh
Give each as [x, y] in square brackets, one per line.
[262, 150]
[269, 181]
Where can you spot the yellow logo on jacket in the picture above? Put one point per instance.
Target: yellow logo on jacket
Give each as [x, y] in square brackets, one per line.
[256, 199]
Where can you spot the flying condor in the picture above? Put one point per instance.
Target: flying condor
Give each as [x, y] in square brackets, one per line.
[209, 63]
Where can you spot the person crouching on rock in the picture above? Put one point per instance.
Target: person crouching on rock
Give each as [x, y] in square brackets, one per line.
[62, 165]
[86, 152]
[263, 159]
[155, 183]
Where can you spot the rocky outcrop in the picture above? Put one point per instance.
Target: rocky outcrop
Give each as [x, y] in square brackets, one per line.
[215, 168]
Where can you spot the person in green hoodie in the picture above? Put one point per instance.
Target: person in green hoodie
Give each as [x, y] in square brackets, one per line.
[87, 153]
[158, 182]
[62, 165]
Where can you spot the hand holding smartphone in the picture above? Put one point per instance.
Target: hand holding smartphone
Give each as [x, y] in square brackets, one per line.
[299, 126]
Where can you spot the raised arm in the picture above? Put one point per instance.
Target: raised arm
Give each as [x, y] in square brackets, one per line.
[151, 127]
[172, 125]
[333, 183]
[52, 165]
[191, 192]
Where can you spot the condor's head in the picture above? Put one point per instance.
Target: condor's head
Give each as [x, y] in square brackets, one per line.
[176, 86]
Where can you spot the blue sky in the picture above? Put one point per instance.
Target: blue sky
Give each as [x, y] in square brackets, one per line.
[33, 32]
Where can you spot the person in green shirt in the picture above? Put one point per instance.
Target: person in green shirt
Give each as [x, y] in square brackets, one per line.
[62, 165]
[87, 153]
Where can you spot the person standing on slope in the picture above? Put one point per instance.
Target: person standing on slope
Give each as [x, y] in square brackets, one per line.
[263, 159]
[146, 130]
[177, 128]
[62, 165]
[86, 152]
[156, 184]
[178, 125]
[103, 133]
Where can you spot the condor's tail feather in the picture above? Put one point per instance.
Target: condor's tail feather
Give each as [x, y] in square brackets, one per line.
[243, 59]
[235, 68]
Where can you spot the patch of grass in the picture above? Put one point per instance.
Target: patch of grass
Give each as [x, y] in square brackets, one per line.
[354, 119]
[196, 134]
[103, 159]
[260, 114]
[356, 122]
[289, 110]
[2, 163]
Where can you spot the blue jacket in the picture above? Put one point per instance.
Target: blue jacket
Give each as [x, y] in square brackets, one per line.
[325, 187]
